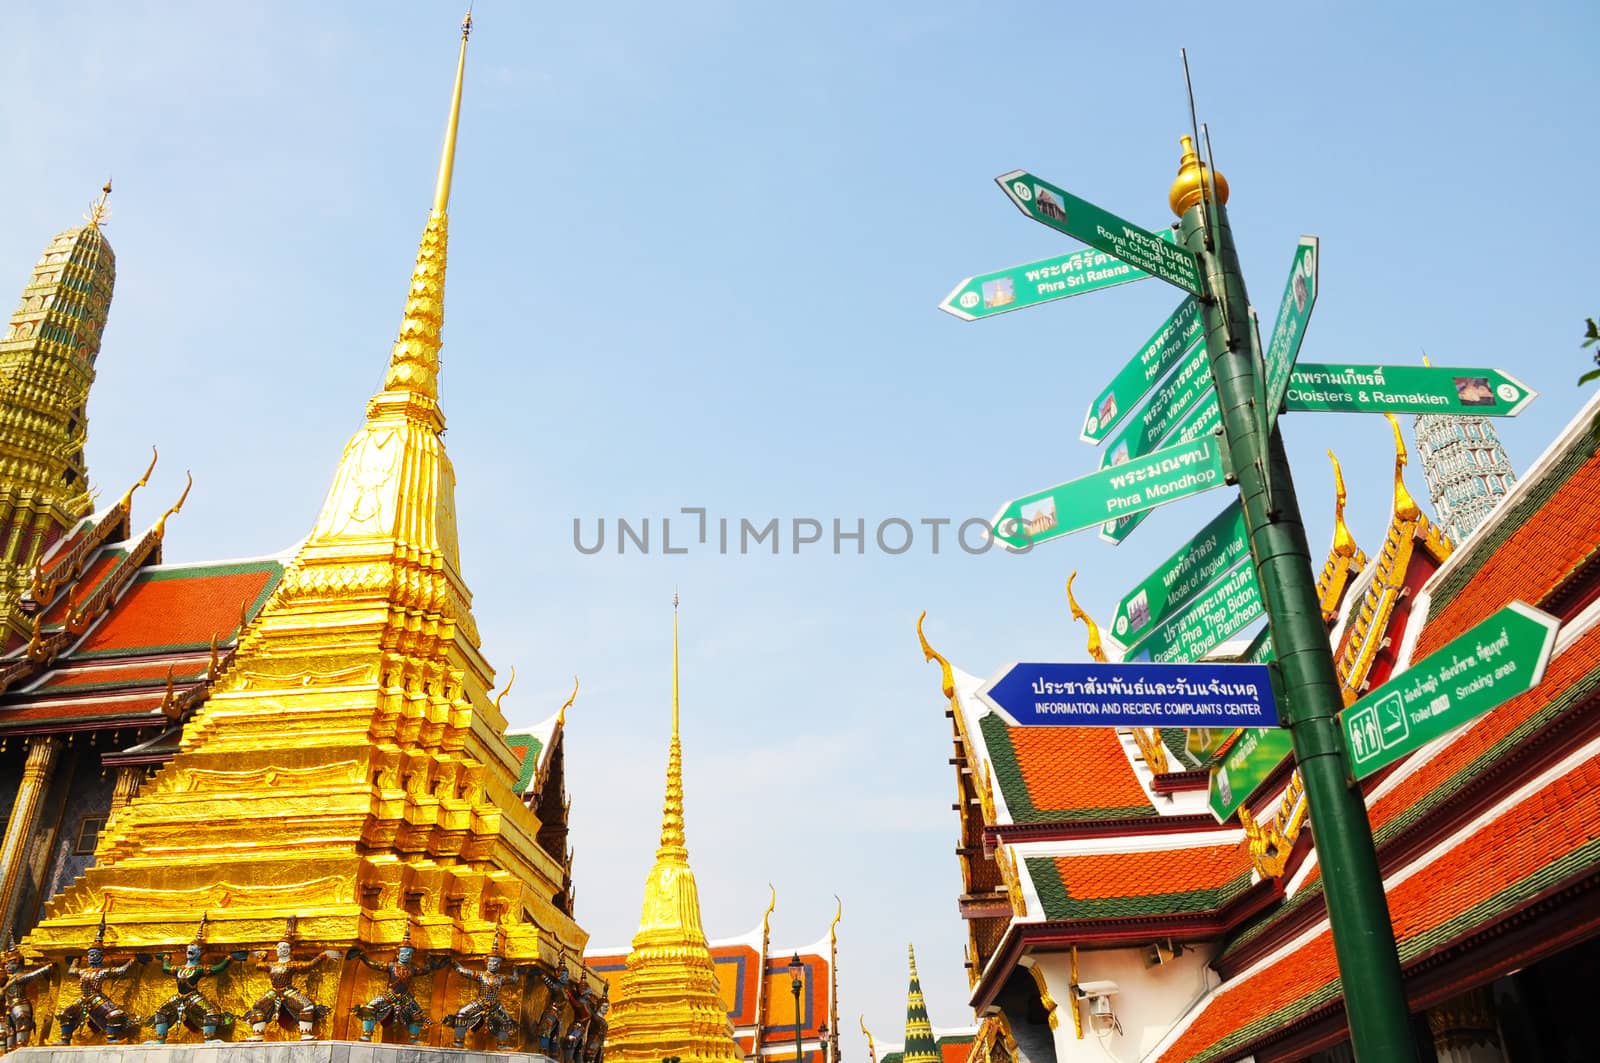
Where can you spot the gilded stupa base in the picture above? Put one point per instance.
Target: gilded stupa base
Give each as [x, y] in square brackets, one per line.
[286, 1052]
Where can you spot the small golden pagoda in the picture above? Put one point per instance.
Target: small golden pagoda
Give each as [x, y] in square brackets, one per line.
[349, 770]
[668, 1003]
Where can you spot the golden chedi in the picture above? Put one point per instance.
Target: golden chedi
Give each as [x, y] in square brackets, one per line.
[350, 769]
[667, 1002]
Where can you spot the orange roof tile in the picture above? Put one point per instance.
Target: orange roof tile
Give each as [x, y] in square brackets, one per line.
[1506, 859]
[1102, 875]
[124, 675]
[1075, 768]
[181, 607]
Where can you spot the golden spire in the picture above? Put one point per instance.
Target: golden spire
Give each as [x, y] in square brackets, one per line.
[1405, 507]
[1096, 649]
[1188, 186]
[672, 840]
[414, 362]
[447, 161]
[1344, 544]
[667, 999]
[99, 212]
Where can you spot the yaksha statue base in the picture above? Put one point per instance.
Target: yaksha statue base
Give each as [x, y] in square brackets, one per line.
[396, 1001]
[283, 998]
[93, 1007]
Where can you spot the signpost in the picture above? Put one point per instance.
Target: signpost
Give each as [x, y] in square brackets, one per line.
[1204, 420]
[1492, 663]
[1177, 580]
[1245, 766]
[1037, 282]
[1124, 695]
[1407, 389]
[1160, 416]
[1160, 353]
[1082, 220]
[1224, 609]
[1143, 483]
[1299, 297]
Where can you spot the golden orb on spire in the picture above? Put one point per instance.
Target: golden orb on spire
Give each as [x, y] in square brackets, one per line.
[1188, 186]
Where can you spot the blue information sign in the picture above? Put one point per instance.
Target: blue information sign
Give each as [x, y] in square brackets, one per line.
[1140, 694]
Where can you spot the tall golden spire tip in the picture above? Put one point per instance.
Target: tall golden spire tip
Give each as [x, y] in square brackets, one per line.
[447, 159]
[99, 212]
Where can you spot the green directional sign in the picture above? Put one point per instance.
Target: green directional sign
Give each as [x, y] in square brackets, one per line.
[1177, 580]
[1204, 420]
[1407, 389]
[1299, 296]
[1160, 353]
[1168, 404]
[1082, 220]
[1143, 483]
[1492, 663]
[1245, 766]
[1037, 282]
[1222, 610]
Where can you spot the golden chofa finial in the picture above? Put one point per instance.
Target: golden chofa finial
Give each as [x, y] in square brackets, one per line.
[505, 690]
[947, 679]
[1405, 507]
[1344, 544]
[1189, 186]
[177, 507]
[561, 714]
[1097, 649]
[99, 211]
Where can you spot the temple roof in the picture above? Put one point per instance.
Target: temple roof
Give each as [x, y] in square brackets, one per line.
[123, 639]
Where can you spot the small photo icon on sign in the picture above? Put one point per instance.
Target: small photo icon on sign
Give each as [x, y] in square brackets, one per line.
[1039, 517]
[1120, 455]
[1002, 292]
[1474, 390]
[1108, 408]
[1048, 204]
[1301, 292]
[1138, 611]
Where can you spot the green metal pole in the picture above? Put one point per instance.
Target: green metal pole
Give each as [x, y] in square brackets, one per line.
[1363, 937]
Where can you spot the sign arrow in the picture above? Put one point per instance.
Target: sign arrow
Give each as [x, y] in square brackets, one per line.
[1143, 483]
[1481, 670]
[1033, 283]
[1342, 388]
[1134, 381]
[1299, 297]
[1082, 220]
[1087, 694]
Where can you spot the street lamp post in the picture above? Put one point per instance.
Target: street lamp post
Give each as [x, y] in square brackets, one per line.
[797, 979]
[822, 1041]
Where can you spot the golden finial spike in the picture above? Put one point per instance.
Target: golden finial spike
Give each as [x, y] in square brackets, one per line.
[1405, 507]
[99, 212]
[1344, 544]
[1425, 360]
[505, 690]
[766, 917]
[561, 716]
[177, 507]
[838, 913]
[947, 680]
[1097, 649]
[447, 160]
[872, 1046]
[127, 497]
[911, 954]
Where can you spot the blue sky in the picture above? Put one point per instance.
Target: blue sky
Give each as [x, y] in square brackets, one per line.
[695, 255]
